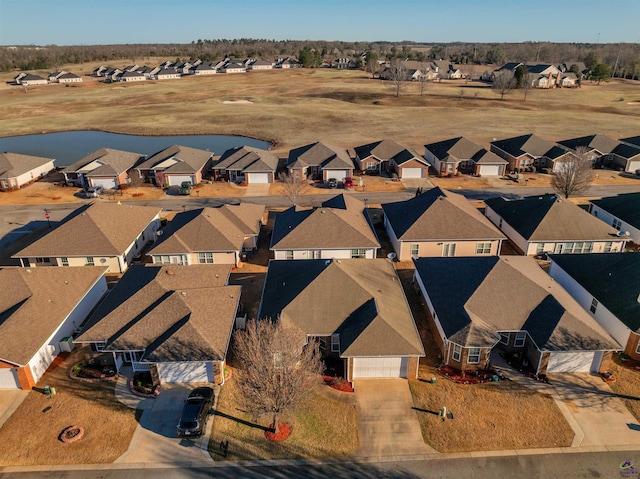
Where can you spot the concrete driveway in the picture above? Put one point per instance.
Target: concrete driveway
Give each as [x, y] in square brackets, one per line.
[598, 413]
[387, 424]
[155, 439]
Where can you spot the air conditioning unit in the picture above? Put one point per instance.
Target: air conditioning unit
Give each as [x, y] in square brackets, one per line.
[66, 344]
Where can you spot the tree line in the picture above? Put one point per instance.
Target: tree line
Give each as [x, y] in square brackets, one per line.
[622, 58]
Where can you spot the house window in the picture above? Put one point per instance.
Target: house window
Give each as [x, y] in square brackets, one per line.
[64, 261]
[449, 249]
[41, 260]
[371, 165]
[415, 248]
[608, 246]
[520, 338]
[474, 356]
[89, 261]
[504, 339]
[594, 305]
[288, 255]
[313, 254]
[358, 253]
[539, 248]
[616, 223]
[457, 352]
[323, 343]
[335, 343]
[205, 258]
[483, 248]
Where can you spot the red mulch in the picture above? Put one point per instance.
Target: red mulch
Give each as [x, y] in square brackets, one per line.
[57, 361]
[460, 377]
[337, 383]
[285, 431]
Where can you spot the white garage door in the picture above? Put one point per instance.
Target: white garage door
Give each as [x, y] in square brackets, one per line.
[339, 175]
[176, 180]
[183, 372]
[106, 183]
[489, 170]
[8, 379]
[258, 178]
[380, 367]
[581, 362]
[633, 166]
[412, 172]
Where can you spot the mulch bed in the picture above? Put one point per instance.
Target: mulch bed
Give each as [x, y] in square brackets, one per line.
[480, 376]
[88, 371]
[525, 369]
[338, 383]
[285, 431]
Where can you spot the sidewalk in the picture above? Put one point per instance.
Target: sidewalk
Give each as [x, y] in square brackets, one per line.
[125, 396]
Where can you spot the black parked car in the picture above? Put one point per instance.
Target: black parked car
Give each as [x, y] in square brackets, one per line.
[195, 412]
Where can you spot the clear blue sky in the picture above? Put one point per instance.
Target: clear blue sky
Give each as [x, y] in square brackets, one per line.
[90, 22]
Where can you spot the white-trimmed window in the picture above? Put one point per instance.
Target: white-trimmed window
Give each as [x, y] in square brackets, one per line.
[504, 339]
[322, 342]
[335, 343]
[89, 261]
[608, 246]
[539, 248]
[457, 352]
[313, 254]
[474, 356]
[483, 248]
[288, 254]
[205, 258]
[616, 223]
[521, 337]
[594, 305]
[358, 253]
[449, 249]
[371, 165]
[415, 249]
[64, 261]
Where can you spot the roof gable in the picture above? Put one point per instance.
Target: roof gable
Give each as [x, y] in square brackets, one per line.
[625, 206]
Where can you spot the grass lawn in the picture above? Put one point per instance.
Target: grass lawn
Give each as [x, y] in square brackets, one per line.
[627, 385]
[322, 427]
[30, 436]
[493, 416]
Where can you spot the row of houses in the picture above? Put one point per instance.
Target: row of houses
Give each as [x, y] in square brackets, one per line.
[414, 70]
[326, 279]
[62, 77]
[542, 75]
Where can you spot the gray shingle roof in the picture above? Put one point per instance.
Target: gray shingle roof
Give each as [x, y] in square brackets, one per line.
[13, 165]
[602, 143]
[624, 206]
[461, 149]
[529, 144]
[33, 304]
[338, 223]
[362, 300]
[549, 218]
[612, 278]
[477, 297]
[438, 215]
[102, 229]
[113, 162]
[248, 159]
[383, 150]
[172, 312]
[319, 154]
[188, 160]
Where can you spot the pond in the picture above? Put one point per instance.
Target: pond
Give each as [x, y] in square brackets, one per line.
[70, 146]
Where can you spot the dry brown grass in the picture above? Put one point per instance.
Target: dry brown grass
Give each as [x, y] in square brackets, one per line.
[289, 109]
[627, 385]
[322, 427]
[493, 416]
[30, 436]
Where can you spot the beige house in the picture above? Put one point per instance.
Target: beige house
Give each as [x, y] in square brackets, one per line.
[176, 164]
[389, 156]
[247, 164]
[356, 309]
[536, 225]
[439, 223]
[175, 321]
[459, 155]
[101, 234]
[210, 235]
[41, 309]
[338, 228]
[18, 170]
[318, 161]
[105, 167]
[480, 306]
[529, 150]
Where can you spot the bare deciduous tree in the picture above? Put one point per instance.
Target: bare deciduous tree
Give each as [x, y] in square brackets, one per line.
[292, 186]
[574, 174]
[423, 77]
[277, 369]
[397, 74]
[527, 83]
[136, 180]
[503, 83]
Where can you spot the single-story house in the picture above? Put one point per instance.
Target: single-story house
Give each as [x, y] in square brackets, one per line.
[210, 235]
[510, 304]
[319, 161]
[233, 67]
[101, 234]
[105, 167]
[17, 170]
[204, 68]
[339, 228]
[598, 148]
[260, 64]
[40, 310]
[622, 212]
[166, 74]
[387, 155]
[549, 224]
[176, 164]
[569, 80]
[356, 309]
[439, 223]
[28, 79]
[528, 150]
[455, 155]
[246, 164]
[175, 321]
[129, 76]
[607, 286]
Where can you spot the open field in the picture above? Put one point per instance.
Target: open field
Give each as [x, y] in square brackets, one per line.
[292, 108]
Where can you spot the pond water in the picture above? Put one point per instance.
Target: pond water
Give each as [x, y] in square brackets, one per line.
[70, 146]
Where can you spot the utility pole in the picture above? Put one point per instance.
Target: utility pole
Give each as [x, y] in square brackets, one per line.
[615, 67]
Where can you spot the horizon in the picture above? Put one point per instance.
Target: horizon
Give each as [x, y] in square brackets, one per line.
[457, 21]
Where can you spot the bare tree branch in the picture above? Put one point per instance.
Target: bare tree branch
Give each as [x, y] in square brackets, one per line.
[503, 83]
[573, 175]
[292, 186]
